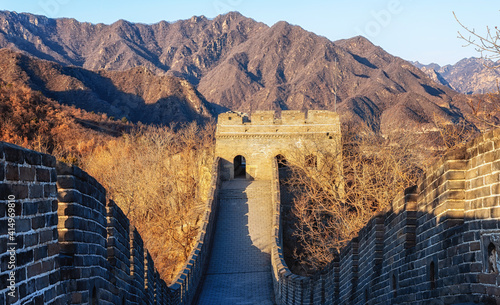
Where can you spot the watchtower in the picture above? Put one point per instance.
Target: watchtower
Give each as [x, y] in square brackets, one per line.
[247, 145]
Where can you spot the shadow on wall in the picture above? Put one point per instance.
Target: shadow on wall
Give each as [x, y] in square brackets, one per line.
[406, 257]
[438, 243]
[68, 244]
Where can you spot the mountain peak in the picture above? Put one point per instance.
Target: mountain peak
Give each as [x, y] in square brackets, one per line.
[233, 15]
[201, 18]
[469, 75]
[356, 42]
[121, 23]
[240, 64]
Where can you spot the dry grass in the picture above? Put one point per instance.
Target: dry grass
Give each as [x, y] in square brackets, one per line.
[328, 212]
[30, 120]
[160, 179]
[158, 176]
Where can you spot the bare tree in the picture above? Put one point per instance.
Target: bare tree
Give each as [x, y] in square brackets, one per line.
[451, 135]
[487, 44]
[160, 178]
[327, 214]
[485, 109]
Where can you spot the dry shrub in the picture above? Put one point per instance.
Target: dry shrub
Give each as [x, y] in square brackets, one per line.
[22, 117]
[451, 135]
[31, 120]
[160, 179]
[158, 176]
[329, 212]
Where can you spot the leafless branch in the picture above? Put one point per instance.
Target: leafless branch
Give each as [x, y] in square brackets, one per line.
[488, 45]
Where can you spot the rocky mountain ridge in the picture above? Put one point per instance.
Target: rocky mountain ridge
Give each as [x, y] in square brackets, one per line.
[241, 64]
[136, 94]
[468, 76]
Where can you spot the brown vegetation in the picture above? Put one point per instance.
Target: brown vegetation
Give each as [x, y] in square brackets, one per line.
[135, 95]
[327, 214]
[158, 176]
[486, 108]
[160, 179]
[29, 119]
[234, 62]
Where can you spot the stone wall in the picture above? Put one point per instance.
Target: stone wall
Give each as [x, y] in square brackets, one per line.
[29, 248]
[263, 136]
[74, 247]
[438, 243]
[184, 288]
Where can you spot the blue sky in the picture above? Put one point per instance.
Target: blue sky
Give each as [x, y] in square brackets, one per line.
[423, 30]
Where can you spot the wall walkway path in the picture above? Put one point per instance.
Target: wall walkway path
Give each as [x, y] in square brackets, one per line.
[239, 270]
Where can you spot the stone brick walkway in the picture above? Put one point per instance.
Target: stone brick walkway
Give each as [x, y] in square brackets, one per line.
[239, 271]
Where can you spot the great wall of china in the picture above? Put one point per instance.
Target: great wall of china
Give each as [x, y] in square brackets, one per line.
[61, 242]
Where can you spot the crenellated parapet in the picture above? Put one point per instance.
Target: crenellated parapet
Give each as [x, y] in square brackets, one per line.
[437, 243]
[263, 135]
[73, 246]
[267, 123]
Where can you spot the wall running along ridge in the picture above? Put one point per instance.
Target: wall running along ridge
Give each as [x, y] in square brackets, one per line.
[438, 242]
[71, 246]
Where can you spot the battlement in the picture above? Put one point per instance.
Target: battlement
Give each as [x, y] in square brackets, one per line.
[258, 138]
[436, 243]
[73, 246]
[286, 117]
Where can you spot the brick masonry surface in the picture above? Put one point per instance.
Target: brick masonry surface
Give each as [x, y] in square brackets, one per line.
[438, 242]
[239, 271]
[265, 136]
[69, 245]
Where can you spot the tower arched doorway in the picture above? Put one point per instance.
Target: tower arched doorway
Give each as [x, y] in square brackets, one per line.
[240, 167]
[282, 162]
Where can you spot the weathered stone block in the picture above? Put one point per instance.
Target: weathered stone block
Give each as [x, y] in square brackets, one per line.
[38, 222]
[50, 190]
[69, 196]
[12, 172]
[48, 160]
[30, 208]
[46, 236]
[23, 225]
[42, 175]
[66, 182]
[13, 153]
[30, 239]
[33, 158]
[25, 257]
[27, 173]
[36, 191]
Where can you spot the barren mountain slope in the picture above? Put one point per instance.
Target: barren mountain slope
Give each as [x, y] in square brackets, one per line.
[244, 65]
[136, 94]
[469, 75]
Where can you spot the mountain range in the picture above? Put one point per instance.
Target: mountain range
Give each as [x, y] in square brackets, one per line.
[136, 94]
[468, 76]
[193, 69]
